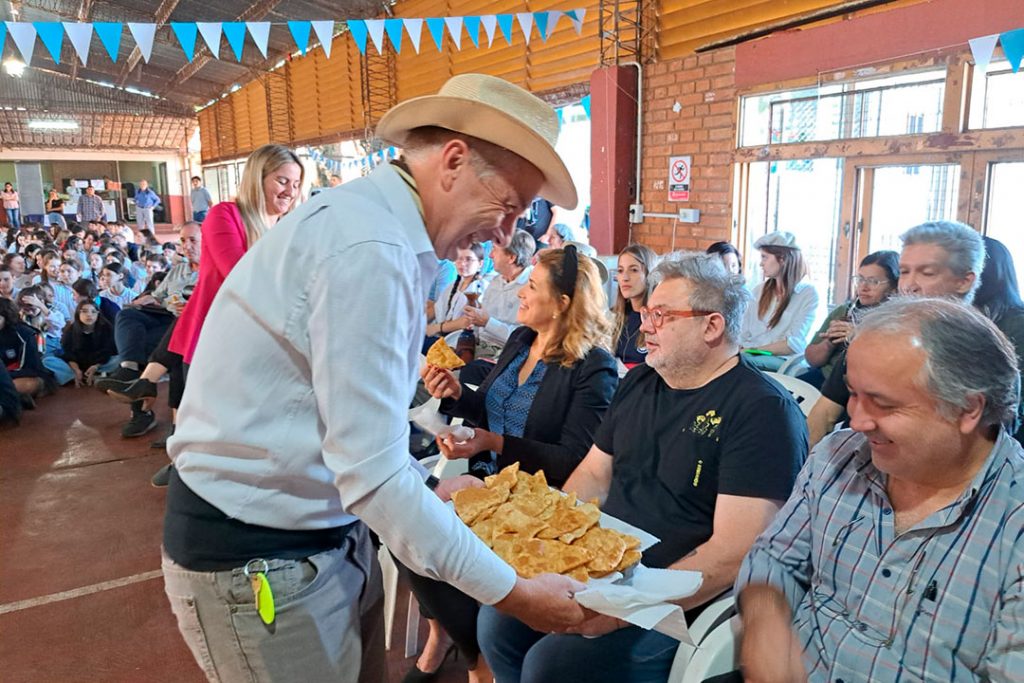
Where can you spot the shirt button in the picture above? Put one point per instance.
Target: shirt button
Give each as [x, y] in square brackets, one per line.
[861, 626]
[886, 573]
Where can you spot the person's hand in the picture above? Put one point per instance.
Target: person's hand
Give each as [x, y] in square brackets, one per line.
[441, 382]
[477, 317]
[839, 331]
[596, 624]
[90, 374]
[33, 300]
[770, 651]
[177, 306]
[482, 440]
[145, 300]
[545, 603]
[456, 325]
[446, 487]
[79, 377]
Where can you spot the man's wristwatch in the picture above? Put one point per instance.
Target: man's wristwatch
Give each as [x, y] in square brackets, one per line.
[431, 482]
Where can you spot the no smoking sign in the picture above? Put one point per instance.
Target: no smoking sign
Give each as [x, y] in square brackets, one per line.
[679, 179]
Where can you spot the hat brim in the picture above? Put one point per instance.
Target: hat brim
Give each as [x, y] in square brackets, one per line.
[487, 123]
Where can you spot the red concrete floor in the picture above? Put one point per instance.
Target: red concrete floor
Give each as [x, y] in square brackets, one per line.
[81, 600]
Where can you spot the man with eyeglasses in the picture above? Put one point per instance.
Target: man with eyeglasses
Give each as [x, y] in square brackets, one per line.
[698, 448]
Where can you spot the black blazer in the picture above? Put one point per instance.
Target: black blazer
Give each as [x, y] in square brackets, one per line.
[565, 413]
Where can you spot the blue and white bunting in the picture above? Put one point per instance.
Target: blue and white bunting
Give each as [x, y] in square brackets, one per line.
[393, 27]
[357, 27]
[454, 25]
[324, 31]
[981, 50]
[577, 19]
[110, 35]
[24, 36]
[300, 34]
[526, 23]
[505, 24]
[436, 28]
[51, 34]
[186, 32]
[210, 31]
[472, 25]
[143, 35]
[414, 27]
[80, 36]
[1013, 47]
[541, 20]
[375, 27]
[490, 23]
[234, 32]
[260, 32]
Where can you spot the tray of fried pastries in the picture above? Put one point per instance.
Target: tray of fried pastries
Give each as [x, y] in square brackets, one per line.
[538, 529]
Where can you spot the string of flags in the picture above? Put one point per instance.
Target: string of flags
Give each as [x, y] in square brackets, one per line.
[51, 33]
[1013, 48]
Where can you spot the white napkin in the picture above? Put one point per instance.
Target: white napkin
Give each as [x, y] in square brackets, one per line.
[644, 599]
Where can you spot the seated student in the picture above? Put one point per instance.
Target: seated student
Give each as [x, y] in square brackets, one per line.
[877, 279]
[899, 554]
[540, 407]
[87, 347]
[86, 289]
[467, 289]
[729, 254]
[698, 447]
[780, 320]
[19, 352]
[112, 284]
[7, 290]
[496, 319]
[636, 262]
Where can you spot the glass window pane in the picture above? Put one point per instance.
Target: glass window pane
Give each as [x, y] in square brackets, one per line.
[997, 98]
[904, 196]
[1005, 207]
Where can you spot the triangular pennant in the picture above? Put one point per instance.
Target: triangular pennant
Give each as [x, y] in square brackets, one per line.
[375, 27]
[210, 31]
[577, 19]
[472, 25]
[505, 24]
[394, 30]
[525, 23]
[324, 31]
[586, 105]
[24, 35]
[553, 17]
[414, 27]
[110, 35]
[260, 32]
[186, 32]
[80, 35]
[1013, 47]
[490, 23]
[436, 28]
[561, 116]
[300, 34]
[571, 13]
[143, 35]
[541, 20]
[234, 31]
[981, 49]
[357, 27]
[454, 25]
[51, 33]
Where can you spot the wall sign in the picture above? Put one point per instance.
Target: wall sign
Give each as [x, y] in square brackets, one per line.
[679, 179]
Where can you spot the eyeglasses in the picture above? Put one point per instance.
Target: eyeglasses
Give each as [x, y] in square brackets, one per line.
[658, 316]
[869, 281]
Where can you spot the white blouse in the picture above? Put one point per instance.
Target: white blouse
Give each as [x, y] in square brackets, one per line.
[794, 326]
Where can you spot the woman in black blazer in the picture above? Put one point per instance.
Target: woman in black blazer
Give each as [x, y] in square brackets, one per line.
[539, 406]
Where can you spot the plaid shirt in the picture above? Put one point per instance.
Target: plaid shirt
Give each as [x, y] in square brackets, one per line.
[90, 207]
[943, 601]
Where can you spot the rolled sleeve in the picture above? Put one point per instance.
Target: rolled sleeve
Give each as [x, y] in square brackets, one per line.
[366, 365]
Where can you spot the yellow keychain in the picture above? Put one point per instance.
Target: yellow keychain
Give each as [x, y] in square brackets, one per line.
[262, 594]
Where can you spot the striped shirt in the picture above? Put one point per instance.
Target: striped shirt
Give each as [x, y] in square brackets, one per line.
[943, 601]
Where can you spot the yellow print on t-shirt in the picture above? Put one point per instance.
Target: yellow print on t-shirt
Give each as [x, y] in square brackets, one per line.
[707, 425]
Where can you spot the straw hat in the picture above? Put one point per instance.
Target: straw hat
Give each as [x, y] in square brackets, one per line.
[494, 110]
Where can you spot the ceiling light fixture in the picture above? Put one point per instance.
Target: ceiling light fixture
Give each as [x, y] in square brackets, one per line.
[14, 67]
[53, 124]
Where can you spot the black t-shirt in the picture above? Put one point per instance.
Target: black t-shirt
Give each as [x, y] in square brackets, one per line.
[626, 349]
[834, 388]
[675, 450]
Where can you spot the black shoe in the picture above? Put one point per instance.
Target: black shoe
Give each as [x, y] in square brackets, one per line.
[27, 402]
[133, 391]
[162, 477]
[142, 421]
[414, 675]
[161, 443]
[118, 379]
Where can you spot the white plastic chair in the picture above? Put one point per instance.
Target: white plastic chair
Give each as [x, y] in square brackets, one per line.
[716, 655]
[709, 623]
[803, 393]
[795, 365]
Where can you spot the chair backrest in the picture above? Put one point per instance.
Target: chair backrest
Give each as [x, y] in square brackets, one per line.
[716, 654]
[712, 616]
[803, 393]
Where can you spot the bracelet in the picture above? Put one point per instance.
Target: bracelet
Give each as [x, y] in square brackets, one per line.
[431, 482]
[440, 328]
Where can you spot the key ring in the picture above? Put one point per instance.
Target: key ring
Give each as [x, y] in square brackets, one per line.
[254, 567]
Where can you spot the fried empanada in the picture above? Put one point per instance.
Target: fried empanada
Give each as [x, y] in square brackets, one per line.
[441, 355]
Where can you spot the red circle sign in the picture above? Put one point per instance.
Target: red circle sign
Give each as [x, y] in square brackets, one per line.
[679, 171]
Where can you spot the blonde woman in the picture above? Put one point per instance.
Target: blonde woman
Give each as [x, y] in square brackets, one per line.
[271, 186]
[635, 263]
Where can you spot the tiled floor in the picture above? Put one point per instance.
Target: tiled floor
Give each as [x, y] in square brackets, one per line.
[81, 600]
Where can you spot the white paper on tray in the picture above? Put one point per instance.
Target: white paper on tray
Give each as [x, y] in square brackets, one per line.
[644, 599]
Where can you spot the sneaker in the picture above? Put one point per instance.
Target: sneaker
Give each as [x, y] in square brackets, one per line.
[133, 391]
[118, 379]
[142, 422]
[162, 477]
[161, 443]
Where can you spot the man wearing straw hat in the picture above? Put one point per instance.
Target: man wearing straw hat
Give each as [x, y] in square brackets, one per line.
[291, 445]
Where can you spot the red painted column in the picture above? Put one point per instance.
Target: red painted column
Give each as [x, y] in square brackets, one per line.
[612, 156]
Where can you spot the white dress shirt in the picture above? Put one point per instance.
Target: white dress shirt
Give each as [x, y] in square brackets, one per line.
[794, 326]
[296, 411]
[501, 301]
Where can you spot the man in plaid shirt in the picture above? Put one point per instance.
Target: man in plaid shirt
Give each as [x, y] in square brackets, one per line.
[90, 206]
[900, 554]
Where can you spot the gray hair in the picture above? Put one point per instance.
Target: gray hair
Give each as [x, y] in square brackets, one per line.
[967, 355]
[712, 287]
[486, 158]
[962, 242]
[522, 246]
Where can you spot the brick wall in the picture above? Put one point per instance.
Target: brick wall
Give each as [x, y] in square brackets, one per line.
[703, 128]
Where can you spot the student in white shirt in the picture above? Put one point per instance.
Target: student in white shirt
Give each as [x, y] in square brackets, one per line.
[782, 312]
